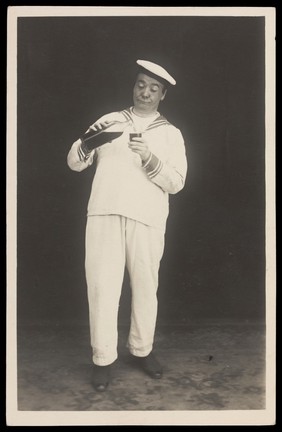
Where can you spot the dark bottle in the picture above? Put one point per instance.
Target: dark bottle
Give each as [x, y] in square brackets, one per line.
[93, 139]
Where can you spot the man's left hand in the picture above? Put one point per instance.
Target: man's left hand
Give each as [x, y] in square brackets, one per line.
[138, 145]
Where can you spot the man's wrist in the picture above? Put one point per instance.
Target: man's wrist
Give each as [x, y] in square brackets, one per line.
[146, 159]
[152, 166]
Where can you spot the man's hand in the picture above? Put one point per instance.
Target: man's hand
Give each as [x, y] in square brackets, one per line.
[99, 126]
[138, 145]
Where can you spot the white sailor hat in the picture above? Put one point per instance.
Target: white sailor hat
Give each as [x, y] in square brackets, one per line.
[157, 70]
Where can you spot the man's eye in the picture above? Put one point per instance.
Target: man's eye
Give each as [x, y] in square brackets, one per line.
[140, 85]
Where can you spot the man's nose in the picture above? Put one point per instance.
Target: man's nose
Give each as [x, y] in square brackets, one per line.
[146, 92]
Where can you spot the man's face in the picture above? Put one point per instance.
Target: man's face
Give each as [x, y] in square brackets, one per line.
[147, 94]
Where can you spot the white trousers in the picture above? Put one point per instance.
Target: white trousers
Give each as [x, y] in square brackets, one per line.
[113, 242]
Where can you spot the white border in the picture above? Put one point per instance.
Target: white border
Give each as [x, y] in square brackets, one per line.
[270, 221]
[34, 11]
[32, 418]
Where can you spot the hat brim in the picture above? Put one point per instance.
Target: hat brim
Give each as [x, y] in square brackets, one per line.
[157, 71]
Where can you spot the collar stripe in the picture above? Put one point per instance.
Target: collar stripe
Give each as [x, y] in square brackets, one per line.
[159, 121]
[127, 114]
[157, 124]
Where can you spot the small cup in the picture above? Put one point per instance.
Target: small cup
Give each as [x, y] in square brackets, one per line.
[135, 135]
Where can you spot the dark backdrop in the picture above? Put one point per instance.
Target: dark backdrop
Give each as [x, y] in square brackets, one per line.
[71, 70]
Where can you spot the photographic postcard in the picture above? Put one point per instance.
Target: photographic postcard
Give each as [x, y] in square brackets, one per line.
[66, 67]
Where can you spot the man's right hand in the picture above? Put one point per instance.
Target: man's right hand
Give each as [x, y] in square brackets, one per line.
[99, 126]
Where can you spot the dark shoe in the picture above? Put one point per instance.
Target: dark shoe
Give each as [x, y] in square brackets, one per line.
[151, 366]
[101, 377]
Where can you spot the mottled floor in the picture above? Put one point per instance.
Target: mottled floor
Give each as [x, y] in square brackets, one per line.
[206, 367]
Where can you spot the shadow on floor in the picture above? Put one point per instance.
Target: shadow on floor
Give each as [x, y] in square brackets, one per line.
[206, 367]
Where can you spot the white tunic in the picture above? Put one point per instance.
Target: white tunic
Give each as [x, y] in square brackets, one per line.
[122, 185]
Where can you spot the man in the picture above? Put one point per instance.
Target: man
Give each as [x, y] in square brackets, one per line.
[126, 219]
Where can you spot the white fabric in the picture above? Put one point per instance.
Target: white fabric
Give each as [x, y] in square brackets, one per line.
[140, 124]
[121, 185]
[157, 70]
[127, 213]
[113, 242]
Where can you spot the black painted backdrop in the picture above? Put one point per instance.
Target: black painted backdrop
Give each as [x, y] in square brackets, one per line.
[72, 70]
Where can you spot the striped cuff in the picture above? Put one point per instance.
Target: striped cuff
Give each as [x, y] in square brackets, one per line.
[152, 166]
[83, 152]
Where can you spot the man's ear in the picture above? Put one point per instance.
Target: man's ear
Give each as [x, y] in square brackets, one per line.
[163, 96]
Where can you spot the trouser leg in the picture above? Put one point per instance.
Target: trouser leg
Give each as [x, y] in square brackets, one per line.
[144, 250]
[104, 265]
